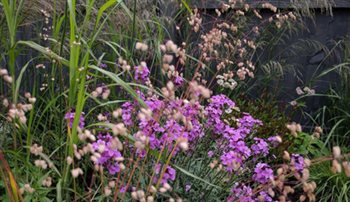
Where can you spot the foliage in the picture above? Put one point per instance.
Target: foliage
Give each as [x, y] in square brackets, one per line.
[269, 111]
[332, 186]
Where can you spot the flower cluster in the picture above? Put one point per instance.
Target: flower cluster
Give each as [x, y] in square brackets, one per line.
[107, 153]
[298, 162]
[169, 174]
[260, 147]
[166, 123]
[233, 138]
[262, 173]
[127, 109]
[170, 121]
[240, 149]
[240, 192]
[70, 118]
[141, 72]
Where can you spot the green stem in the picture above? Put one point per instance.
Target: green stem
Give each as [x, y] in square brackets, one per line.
[12, 67]
[133, 30]
[166, 166]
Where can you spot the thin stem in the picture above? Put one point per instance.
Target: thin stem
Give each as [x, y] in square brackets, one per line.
[130, 177]
[153, 173]
[166, 166]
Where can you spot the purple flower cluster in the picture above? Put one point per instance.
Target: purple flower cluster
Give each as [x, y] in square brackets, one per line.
[174, 123]
[262, 173]
[244, 193]
[103, 66]
[298, 162]
[232, 160]
[215, 110]
[260, 147]
[210, 153]
[248, 121]
[263, 196]
[69, 116]
[274, 140]
[234, 141]
[127, 109]
[241, 193]
[163, 131]
[170, 120]
[178, 80]
[169, 174]
[109, 154]
[141, 73]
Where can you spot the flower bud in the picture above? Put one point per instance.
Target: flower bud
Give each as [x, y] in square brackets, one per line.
[3, 72]
[150, 199]
[32, 100]
[162, 190]
[346, 166]
[183, 145]
[336, 167]
[153, 189]
[286, 156]
[8, 79]
[76, 172]
[108, 191]
[336, 152]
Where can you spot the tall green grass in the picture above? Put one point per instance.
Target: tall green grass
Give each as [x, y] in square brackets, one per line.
[72, 50]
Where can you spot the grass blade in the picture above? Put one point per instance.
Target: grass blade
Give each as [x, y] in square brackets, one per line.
[195, 177]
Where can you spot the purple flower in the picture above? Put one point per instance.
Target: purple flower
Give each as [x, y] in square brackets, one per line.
[127, 109]
[196, 132]
[123, 189]
[263, 196]
[210, 154]
[298, 162]
[232, 160]
[262, 173]
[248, 122]
[235, 134]
[70, 117]
[108, 153]
[155, 105]
[241, 193]
[150, 128]
[141, 95]
[187, 187]
[178, 80]
[215, 110]
[170, 174]
[173, 131]
[260, 147]
[141, 73]
[274, 140]
[103, 66]
[241, 148]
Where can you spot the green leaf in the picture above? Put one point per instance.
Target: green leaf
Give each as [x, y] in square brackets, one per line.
[122, 83]
[59, 191]
[103, 8]
[19, 79]
[186, 6]
[44, 51]
[195, 177]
